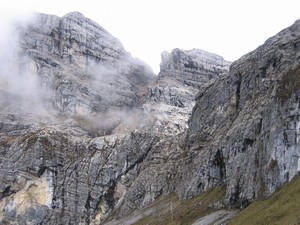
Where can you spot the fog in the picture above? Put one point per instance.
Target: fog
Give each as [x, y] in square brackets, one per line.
[27, 90]
[115, 81]
[19, 83]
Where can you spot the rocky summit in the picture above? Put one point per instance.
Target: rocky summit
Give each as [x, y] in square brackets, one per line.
[90, 135]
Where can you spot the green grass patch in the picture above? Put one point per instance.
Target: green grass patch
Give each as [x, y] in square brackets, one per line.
[170, 210]
[282, 208]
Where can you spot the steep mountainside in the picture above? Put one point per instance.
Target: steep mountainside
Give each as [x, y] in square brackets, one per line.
[89, 135]
[73, 64]
[87, 132]
[244, 129]
[244, 134]
[193, 67]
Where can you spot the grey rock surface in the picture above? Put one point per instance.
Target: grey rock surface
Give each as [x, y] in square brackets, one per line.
[221, 217]
[193, 67]
[79, 68]
[89, 134]
[94, 135]
[244, 128]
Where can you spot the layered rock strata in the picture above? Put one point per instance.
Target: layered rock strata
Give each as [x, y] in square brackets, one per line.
[244, 128]
[94, 135]
[75, 65]
[89, 135]
[194, 67]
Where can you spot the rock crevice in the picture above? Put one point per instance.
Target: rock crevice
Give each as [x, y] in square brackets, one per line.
[94, 135]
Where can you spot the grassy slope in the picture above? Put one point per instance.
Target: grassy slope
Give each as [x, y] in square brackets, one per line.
[282, 208]
[179, 212]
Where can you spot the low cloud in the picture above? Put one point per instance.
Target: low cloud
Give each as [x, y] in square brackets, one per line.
[113, 121]
[101, 98]
[19, 82]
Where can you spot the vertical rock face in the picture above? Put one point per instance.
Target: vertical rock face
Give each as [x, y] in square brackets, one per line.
[93, 135]
[88, 134]
[173, 94]
[73, 38]
[244, 128]
[193, 67]
[80, 66]
[66, 81]
[183, 75]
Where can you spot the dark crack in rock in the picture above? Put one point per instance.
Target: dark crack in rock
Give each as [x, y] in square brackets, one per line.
[251, 116]
[89, 134]
[95, 135]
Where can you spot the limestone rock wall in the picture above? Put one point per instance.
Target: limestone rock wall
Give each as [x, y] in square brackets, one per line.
[244, 129]
[93, 135]
[96, 136]
[78, 65]
[193, 67]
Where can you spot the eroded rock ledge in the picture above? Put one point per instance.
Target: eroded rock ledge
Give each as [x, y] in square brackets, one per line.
[115, 140]
[103, 138]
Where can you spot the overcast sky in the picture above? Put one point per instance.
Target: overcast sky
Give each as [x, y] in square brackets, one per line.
[230, 28]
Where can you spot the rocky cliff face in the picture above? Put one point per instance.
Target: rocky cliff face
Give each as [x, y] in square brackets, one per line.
[79, 83]
[95, 135]
[89, 135]
[79, 67]
[193, 67]
[244, 128]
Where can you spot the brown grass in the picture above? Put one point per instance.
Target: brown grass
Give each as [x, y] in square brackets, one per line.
[289, 84]
[173, 211]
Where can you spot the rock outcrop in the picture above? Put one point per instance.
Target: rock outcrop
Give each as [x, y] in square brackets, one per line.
[178, 83]
[67, 81]
[89, 134]
[194, 67]
[244, 128]
[81, 68]
[94, 135]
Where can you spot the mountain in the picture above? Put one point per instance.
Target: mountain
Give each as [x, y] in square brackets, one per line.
[81, 68]
[250, 131]
[89, 135]
[83, 124]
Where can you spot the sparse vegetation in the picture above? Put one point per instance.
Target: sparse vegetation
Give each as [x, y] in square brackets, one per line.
[282, 208]
[273, 164]
[170, 210]
[289, 84]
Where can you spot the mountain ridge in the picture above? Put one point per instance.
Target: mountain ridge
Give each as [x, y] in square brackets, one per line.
[115, 138]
